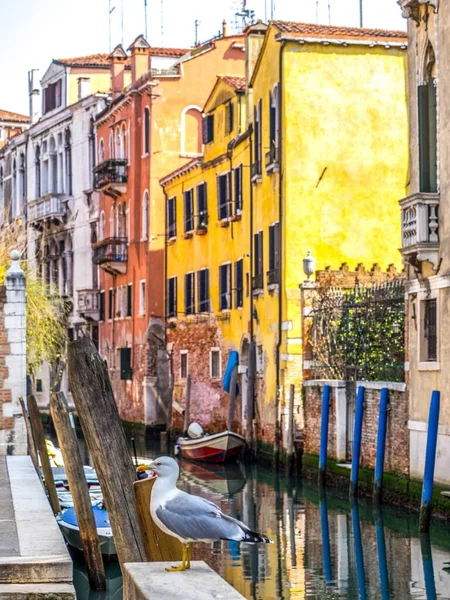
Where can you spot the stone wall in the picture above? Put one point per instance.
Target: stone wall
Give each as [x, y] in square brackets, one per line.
[397, 437]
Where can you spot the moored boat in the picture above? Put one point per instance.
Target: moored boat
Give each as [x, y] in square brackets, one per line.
[68, 524]
[226, 446]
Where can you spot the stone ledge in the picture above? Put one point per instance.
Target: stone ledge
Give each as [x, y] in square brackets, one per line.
[148, 581]
[47, 591]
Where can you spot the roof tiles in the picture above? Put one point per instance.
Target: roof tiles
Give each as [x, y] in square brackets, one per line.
[6, 115]
[237, 83]
[310, 30]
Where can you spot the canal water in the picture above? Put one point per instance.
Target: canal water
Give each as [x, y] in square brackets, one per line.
[323, 548]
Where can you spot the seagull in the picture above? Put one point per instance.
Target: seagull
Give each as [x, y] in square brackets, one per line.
[191, 518]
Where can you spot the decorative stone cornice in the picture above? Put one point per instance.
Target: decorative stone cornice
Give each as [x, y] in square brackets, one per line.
[411, 8]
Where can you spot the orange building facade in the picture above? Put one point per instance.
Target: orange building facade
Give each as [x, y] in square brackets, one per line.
[151, 127]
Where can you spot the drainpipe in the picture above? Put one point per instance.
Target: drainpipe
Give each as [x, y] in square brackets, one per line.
[280, 254]
[251, 238]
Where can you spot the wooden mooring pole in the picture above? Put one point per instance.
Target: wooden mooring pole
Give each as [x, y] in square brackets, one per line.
[107, 443]
[31, 445]
[38, 434]
[187, 409]
[73, 466]
[290, 429]
[231, 408]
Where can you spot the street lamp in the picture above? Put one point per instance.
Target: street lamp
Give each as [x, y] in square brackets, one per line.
[309, 265]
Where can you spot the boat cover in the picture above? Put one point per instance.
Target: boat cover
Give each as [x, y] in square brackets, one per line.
[233, 361]
[100, 515]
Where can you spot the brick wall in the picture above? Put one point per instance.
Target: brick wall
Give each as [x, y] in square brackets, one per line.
[6, 422]
[397, 437]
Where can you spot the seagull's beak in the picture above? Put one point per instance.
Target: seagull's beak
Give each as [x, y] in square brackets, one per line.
[151, 468]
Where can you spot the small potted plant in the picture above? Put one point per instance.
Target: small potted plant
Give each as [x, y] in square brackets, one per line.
[201, 228]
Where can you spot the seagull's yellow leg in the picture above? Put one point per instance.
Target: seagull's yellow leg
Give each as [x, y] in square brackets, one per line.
[183, 566]
[190, 547]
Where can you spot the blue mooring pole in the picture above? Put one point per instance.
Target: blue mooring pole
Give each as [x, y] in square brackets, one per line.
[324, 435]
[357, 441]
[381, 549]
[381, 445]
[430, 460]
[326, 548]
[359, 554]
[428, 568]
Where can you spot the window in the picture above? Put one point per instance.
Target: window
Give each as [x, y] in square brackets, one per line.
[101, 151]
[259, 262]
[215, 364]
[129, 308]
[237, 175]
[239, 283]
[102, 306]
[171, 218]
[189, 294]
[430, 330]
[272, 156]
[145, 216]
[188, 211]
[142, 298]
[39, 386]
[146, 130]
[208, 129]
[202, 206]
[52, 96]
[22, 179]
[102, 226]
[259, 359]
[223, 195]
[203, 290]
[229, 118]
[126, 371]
[427, 137]
[123, 141]
[225, 287]
[172, 297]
[110, 304]
[183, 364]
[68, 161]
[257, 151]
[191, 131]
[274, 254]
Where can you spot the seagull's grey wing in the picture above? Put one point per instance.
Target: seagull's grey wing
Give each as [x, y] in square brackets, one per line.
[193, 518]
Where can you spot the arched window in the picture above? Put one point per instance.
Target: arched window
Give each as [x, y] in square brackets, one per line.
[118, 153]
[191, 131]
[68, 161]
[2, 197]
[14, 190]
[145, 216]
[146, 130]
[123, 138]
[102, 226]
[53, 183]
[22, 180]
[101, 151]
[122, 220]
[37, 171]
[112, 222]
[111, 144]
[92, 145]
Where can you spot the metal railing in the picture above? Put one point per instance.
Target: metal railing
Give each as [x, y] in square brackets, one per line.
[273, 276]
[110, 250]
[258, 282]
[113, 171]
[88, 302]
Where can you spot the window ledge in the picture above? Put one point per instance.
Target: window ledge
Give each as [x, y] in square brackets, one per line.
[258, 292]
[188, 235]
[171, 241]
[273, 288]
[146, 155]
[236, 217]
[224, 223]
[191, 154]
[429, 366]
[257, 178]
[201, 231]
[272, 168]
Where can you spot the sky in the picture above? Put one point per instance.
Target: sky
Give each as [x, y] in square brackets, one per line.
[36, 31]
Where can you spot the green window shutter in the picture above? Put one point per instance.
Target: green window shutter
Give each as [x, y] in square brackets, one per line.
[126, 371]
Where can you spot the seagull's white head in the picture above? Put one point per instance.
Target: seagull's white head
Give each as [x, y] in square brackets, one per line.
[165, 467]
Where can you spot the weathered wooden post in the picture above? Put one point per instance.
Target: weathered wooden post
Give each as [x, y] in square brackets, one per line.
[290, 429]
[250, 392]
[73, 466]
[38, 434]
[106, 440]
[187, 408]
[231, 407]
[31, 445]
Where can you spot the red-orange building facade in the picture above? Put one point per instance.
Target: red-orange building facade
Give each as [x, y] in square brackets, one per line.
[150, 128]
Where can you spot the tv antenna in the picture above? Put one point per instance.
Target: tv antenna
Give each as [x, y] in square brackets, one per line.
[196, 25]
[145, 19]
[361, 13]
[110, 11]
[162, 22]
[329, 12]
[246, 15]
[121, 20]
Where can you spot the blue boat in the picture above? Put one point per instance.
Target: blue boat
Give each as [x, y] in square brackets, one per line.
[68, 524]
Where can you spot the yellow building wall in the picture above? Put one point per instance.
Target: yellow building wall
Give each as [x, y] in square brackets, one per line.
[100, 80]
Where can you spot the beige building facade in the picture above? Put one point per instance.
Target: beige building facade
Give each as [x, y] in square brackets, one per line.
[426, 227]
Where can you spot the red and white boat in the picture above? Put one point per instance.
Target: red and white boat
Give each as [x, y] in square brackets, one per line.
[217, 447]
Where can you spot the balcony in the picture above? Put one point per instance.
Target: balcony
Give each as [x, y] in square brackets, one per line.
[420, 229]
[49, 208]
[110, 177]
[273, 278]
[89, 304]
[258, 283]
[271, 160]
[111, 255]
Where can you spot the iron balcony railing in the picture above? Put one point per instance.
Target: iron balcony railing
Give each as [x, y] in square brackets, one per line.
[113, 171]
[257, 282]
[273, 276]
[110, 250]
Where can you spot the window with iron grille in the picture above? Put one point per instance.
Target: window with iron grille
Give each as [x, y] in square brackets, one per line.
[225, 287]
[129, 309]
[224, 195]
[430, 330]
[239, 283]
[215, 364]
[203, 290]
[188, 211]
[126, 371]
[229, 120]
[208, 129]
[102, 306]
[172, 297]
[110, 304]
[202, 205]
[274, 254]
[237, 174]
[258, 283]
[189, 294]
[171, 218]
[183, 364]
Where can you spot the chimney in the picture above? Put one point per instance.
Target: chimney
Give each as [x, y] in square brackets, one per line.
[34, 96]
[224, 28]
[84, 87]
[139, 58]
[253, 42]
[117, 61]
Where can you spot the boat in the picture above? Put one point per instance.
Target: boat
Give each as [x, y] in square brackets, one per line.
[223, 447]
[68, 524]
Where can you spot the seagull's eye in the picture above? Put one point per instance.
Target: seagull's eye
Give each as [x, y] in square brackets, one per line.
[158, 464]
